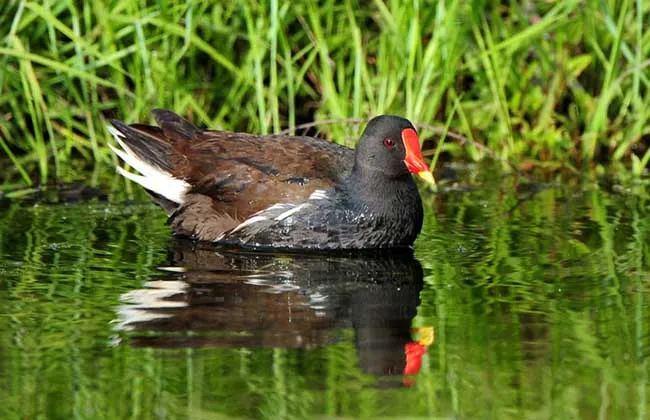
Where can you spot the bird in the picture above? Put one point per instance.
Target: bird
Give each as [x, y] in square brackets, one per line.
[279, 192]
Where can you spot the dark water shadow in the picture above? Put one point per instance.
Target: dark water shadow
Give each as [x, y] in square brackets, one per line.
[239, 299]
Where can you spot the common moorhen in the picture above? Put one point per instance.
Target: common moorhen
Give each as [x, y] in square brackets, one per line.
[284, 192]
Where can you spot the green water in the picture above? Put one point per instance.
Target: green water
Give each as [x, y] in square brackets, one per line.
[537, 296]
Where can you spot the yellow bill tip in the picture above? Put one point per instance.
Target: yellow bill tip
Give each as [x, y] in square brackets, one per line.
[427, 335]
[428, 177]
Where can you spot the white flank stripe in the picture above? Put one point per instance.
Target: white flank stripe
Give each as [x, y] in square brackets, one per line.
[291, 211]
[248, 222]
[152, 177]
[278, 206]
[318, 195]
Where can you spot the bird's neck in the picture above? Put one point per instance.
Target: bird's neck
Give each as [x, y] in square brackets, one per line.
[383, 195]
[393, 204]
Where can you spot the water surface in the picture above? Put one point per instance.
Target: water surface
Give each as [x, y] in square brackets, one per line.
[521, 300]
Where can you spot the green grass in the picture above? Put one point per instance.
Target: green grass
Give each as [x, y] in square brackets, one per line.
[565, 82]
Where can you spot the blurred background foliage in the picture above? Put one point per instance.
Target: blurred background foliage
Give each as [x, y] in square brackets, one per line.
[540, 83]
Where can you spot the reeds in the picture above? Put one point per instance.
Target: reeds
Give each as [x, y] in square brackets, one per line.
[564, 82]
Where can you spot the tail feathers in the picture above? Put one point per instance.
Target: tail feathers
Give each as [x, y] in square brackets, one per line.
[159, 181]
[174, 126]
[146, 142]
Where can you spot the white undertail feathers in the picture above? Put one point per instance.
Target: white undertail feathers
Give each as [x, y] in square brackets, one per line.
[151, 177]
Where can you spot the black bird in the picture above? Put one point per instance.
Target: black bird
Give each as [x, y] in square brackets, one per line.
[280, 192]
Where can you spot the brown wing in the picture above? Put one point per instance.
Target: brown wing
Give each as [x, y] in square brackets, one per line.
[233, 175]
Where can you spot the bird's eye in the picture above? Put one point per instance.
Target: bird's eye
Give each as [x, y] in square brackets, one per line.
[389, 143]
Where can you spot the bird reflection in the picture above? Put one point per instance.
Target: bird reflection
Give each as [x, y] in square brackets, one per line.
[232, 298]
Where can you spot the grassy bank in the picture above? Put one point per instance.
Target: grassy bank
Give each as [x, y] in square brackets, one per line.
[543, 83]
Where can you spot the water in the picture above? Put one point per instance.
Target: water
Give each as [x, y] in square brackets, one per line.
[520, 301]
